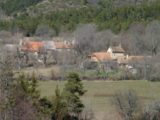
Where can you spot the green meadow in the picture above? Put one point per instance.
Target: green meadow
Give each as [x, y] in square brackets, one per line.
[99, 93]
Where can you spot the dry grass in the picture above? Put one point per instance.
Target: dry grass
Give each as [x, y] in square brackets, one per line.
[43, 71]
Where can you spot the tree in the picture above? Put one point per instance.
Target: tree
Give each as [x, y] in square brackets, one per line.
[153, 112]
[18, 96]
[72, 91]
[152, 38]
[23, 109]
[28, 84]
[6, 86]
[44, 31]
[88, 39]
[5, 37]
[60, 110]
[127, 104]
[132, 40]
[84, 2]
[153, 68]
[85, 36]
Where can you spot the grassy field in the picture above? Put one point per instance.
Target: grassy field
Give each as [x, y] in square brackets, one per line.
[99, 93]
[44, 71]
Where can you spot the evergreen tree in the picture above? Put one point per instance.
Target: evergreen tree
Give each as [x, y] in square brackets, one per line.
[46, 107]
[85, 2]
[72, 91]
[59, 106]
[29, 86]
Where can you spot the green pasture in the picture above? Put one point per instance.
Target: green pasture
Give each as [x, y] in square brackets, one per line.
[99, 93]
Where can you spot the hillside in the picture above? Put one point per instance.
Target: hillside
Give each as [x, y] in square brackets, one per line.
[47, 6]
[37, 7]
[104, 14]
[13, 7]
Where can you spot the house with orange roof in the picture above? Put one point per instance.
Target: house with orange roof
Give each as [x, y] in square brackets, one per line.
[100, 57]
[128, 60]
[115, 56]
[103, 60]
[63, 45]
[122, 60]
[32, 46]
[116, 51]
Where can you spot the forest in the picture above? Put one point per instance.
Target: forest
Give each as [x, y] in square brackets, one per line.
[10, 6]
[116, 19]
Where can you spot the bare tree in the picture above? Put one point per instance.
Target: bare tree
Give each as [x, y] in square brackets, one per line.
[127, 104]
[153, 112]
[88, 39]
[6, 81]
[132, 40]
[154, 68]
[104, 39]
[152, 38]
[5, 37]
[45, 31]
[84, 38]
[22, 109]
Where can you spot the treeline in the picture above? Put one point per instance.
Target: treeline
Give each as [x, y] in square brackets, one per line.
[115, 19]
[11, 6]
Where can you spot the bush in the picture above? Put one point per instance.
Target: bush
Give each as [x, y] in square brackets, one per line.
[127, 103]
[153, 112]
[53, 74]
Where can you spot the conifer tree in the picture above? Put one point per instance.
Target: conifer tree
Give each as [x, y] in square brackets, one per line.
[85, 2]
[59, 106]
[29, 86]
[72, 91]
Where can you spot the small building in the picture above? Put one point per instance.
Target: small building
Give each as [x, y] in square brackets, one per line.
[116, 52]
[60, 46]
[122, 61]
[100, 57]
[103, 59]
[131, 61]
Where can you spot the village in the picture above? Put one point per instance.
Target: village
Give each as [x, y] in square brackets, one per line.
[79, 59]
[30, 52]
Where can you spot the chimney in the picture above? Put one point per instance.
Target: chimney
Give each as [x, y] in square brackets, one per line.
[65, 42]
[120, 45]
[20, 43]
[127, 56]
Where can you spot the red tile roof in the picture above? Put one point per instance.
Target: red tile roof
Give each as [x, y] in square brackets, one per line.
[63, 45]
[122, 59]
[101, 57]
[135, 58]
[117, 49]
[32, 46]
[130, 59]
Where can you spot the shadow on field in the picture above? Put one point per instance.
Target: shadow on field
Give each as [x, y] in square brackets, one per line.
[111, 95]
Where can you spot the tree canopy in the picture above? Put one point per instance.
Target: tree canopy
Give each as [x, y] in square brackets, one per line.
[116, 19]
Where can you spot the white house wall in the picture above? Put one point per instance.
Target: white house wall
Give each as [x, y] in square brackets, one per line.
[114, 55]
